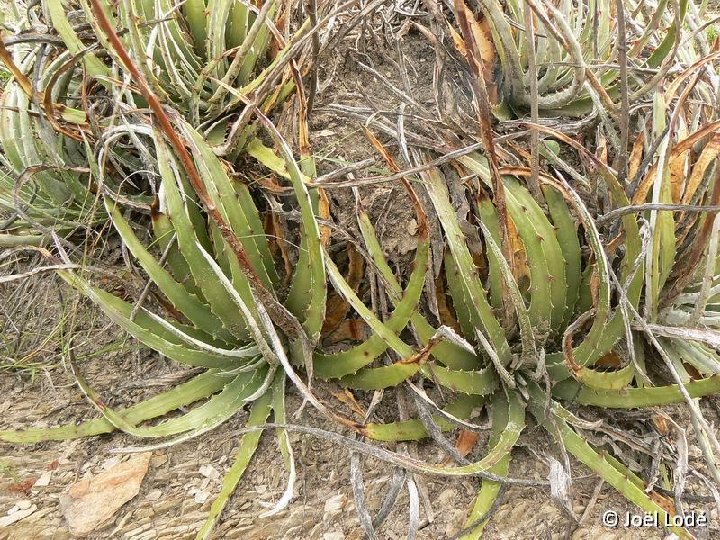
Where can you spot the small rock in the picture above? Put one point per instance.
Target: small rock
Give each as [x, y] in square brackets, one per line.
[334, 535]
[208, 471]
[92, 502]
[154, 495]
[17, 515]
[23, 504]
[412, 227]
[110, 463]
[201, 496]
[333, 506]
[44, 479]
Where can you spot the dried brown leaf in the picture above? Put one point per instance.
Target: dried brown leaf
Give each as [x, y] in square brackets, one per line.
[349, 329]
[337, 307]
[466, 441]
[636, 155]
[661, 424]
[348, 398]
[707, 157]
[610, 360]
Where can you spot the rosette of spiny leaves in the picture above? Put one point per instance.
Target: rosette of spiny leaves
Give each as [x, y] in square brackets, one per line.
[570, 58]
[210, 59]
[563, 295]
[573, 333]
[45, 180]
[209, 260]
[210, 263]
[212, 63]
[673, 185]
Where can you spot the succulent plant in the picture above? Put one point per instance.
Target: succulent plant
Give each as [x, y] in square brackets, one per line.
[558, 283]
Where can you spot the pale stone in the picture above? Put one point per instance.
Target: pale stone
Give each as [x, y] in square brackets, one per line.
[91, 503]
[44, 479]
[208, 471]
[16, 516]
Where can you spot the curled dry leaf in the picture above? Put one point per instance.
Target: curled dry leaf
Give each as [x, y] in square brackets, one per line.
[611, 360]
[346, 396]
[636, 155]
[337, 307]
[482, 35]
[661, 424]
[349, 329]
[665, 502]
[466, 441]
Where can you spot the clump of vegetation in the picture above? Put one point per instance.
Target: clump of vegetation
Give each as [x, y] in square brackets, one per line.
[568, 269]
